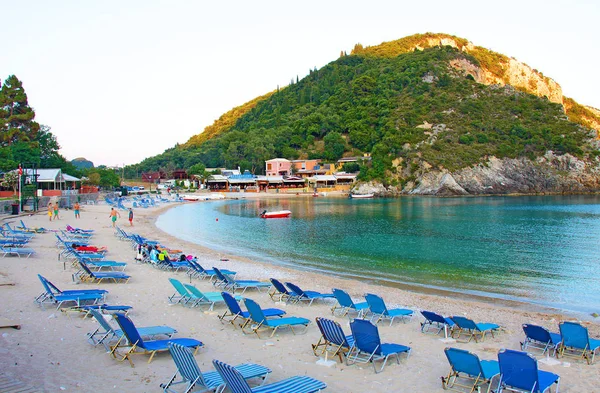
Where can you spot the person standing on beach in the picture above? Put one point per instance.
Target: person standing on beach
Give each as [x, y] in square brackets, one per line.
[76, 207]
[130, 217]
[56, 211]
[50, 211]
[113, 216]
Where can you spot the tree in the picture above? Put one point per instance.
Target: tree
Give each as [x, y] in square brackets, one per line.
[11, 180]
[94, 179]
[16, 116]
[48, 147]
[197, 169]
[104, 177]
[334, 146]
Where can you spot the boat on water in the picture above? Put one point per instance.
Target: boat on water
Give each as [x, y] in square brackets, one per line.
[361, 196]
[276, 214]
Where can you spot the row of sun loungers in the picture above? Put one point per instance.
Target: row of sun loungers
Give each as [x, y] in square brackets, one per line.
[13, 242]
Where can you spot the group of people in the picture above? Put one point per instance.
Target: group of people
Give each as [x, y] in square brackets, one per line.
[114, 214]
[53, 210]
[154, 253]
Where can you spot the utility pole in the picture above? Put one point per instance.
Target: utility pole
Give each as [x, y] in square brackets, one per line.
[20, 174]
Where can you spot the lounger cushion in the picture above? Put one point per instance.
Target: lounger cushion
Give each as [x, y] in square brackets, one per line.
[159, 345]
[287, 321]
[396, 312]
[490, 368]
[294, 384]
[387, 349]
[546, 379]
[487, 326]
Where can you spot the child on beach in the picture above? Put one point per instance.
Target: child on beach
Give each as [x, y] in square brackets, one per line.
[76, 208]
[56, 211]
[130, 217]
[113, 216]
[50, 211]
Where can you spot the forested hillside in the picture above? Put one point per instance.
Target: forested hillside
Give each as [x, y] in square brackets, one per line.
[413, 108]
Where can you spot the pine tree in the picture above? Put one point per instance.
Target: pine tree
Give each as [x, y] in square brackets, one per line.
[16, 116]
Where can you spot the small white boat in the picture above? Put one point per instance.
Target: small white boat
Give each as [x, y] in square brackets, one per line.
[277, 214]
[361, 196]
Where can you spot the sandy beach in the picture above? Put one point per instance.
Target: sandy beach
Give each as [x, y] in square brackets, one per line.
[51, 352]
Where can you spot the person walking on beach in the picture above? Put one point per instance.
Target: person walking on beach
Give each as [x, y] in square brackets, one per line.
[56, 211]
[113, 216]
[130, 217]
[50, 211]
[76, 207]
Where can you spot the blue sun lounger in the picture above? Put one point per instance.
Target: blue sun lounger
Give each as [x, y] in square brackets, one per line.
[53, 295]
[260, 320]
[85, 274]
[380, 311]
[433, 320]
[105, 333]
[576, 342]
[199, 271]
[279, 291]
[519, 371]
[135, 341]
[540, 337]
[33, 230]
[206, 298]
[104, 308]
[466, 326]
[333, 340]
[229, 282]
[234, 311]
[16, 251]
[101, 264]
[299, 295]
[195, 380]
[181, 295]
[347, 305]
[466, 365]
[368, 347]
[237, 384]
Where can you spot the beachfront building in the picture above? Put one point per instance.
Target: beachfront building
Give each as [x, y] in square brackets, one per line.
[153, 177]
[217, 183]
[345, 179]
[245, 182]
[323, 181]
[278, 167]
[51, 182]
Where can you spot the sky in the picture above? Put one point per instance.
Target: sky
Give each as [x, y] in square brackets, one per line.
[119, 81]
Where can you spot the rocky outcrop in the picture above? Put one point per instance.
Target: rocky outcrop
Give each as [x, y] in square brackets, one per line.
[548, 174]
[375, 188]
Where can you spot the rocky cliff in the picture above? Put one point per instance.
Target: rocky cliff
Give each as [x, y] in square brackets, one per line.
[550, 174]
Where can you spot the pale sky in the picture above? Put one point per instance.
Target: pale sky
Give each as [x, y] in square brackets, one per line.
[118, 81]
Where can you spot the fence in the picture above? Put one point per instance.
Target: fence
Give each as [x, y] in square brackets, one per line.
[64, 202]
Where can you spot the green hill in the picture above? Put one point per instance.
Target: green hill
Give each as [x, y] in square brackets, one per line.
[426, 101]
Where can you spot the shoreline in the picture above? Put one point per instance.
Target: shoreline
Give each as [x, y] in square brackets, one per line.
[416, 288]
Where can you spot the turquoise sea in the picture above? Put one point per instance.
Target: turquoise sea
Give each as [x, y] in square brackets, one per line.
[542, 250]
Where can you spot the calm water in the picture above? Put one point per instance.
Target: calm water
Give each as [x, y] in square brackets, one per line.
[542, 250]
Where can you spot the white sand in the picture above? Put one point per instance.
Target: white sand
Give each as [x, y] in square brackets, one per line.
[51, 351]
